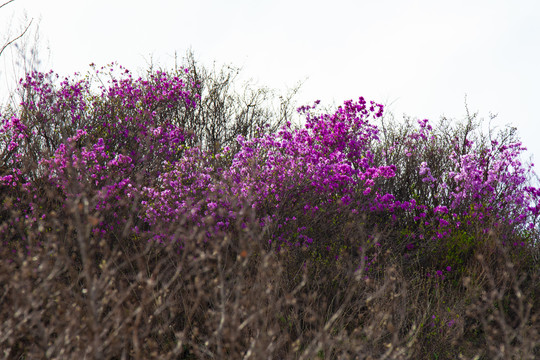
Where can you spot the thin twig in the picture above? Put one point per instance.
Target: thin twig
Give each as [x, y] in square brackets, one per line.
[17, 38]
[4, 4]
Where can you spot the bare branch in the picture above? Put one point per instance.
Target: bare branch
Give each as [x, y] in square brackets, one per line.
[4, 4]
[17, 38]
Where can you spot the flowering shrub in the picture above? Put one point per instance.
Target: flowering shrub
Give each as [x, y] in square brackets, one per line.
[123, 134]
[102, 143]
[119, 164]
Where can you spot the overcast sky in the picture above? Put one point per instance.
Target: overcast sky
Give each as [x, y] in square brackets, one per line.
[420, 57]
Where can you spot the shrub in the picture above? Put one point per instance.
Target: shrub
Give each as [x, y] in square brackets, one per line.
[341, 238]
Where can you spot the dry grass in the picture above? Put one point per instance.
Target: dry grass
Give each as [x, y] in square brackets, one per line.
[121, 297]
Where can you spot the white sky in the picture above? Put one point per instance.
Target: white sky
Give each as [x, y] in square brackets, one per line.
[419, 57]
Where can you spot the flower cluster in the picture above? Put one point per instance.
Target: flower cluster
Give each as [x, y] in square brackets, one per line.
[126, 142]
